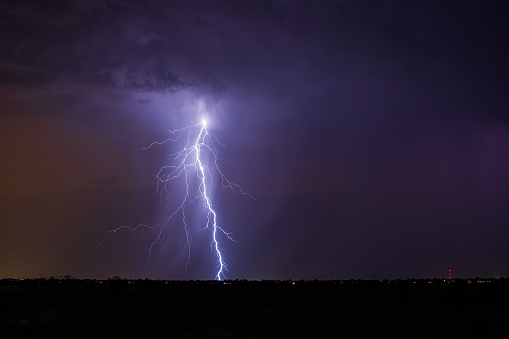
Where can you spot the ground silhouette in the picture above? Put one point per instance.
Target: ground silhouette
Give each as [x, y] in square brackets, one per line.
[116, 307]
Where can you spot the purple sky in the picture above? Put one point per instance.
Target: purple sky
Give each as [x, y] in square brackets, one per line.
[374, 135]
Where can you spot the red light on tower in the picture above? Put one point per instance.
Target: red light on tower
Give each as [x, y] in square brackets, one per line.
[450, 275]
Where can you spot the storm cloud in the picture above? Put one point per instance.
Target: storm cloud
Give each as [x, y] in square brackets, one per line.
[373, 134]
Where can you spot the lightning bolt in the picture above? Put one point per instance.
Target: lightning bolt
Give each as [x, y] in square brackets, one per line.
[190, 164]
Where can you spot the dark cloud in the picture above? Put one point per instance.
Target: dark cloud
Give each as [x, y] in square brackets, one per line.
[23, 79]
[155, 81]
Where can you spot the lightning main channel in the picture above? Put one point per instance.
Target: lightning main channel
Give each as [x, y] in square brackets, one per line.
[190, 163]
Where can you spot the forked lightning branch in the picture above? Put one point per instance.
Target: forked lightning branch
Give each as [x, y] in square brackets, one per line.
[195, 168]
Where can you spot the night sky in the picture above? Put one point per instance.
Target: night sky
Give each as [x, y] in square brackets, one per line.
[374, 136]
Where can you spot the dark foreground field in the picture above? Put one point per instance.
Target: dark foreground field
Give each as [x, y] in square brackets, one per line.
[276, 309]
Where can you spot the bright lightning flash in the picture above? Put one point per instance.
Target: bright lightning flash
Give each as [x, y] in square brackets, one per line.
[189, 164]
